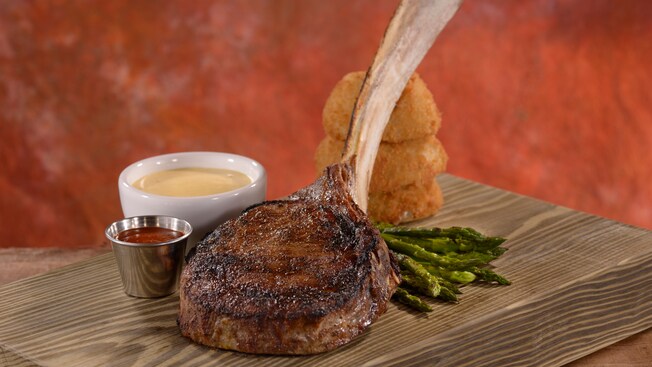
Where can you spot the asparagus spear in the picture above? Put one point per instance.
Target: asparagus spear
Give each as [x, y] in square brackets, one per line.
[439, 244]
[429, 283]
[446, 292]
[403, 296]
[433, 258]
[489, 276]
[462, 277]
[466, 239]
[419, 278]
[485, 258]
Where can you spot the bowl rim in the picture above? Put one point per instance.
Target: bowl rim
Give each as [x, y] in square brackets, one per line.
[260, 180]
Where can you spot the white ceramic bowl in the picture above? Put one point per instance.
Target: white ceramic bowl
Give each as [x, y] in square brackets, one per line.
[204, 213]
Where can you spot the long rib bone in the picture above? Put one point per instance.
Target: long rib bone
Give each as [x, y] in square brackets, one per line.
[411, 32]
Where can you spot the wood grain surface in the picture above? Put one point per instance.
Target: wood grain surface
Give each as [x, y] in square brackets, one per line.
[580, 283]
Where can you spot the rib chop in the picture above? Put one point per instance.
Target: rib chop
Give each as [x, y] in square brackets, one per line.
[308, 273]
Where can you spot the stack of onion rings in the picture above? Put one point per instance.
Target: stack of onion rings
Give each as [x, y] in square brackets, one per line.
[403, 186]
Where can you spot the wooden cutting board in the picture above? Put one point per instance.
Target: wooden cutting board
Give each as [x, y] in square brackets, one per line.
[580, 283]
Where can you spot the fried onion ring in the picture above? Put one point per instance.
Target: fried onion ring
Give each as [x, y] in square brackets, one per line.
[414, 116]
[397, 164]
[407, 203]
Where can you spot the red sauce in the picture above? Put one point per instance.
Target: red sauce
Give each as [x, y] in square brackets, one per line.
[148, 235]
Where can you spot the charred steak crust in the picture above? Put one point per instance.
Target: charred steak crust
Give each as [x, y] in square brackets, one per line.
[260, 284]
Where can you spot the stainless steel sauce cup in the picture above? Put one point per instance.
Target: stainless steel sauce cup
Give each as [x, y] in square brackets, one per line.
[149, 270]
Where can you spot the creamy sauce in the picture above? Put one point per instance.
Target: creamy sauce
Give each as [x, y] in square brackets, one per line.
[192, 181]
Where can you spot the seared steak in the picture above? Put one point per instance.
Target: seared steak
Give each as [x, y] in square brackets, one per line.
[296, 276]
[309, 273]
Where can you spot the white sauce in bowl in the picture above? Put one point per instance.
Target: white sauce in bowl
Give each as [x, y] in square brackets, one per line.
[192, 181]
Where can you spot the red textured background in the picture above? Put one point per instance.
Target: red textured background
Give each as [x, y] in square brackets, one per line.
[550, 99]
